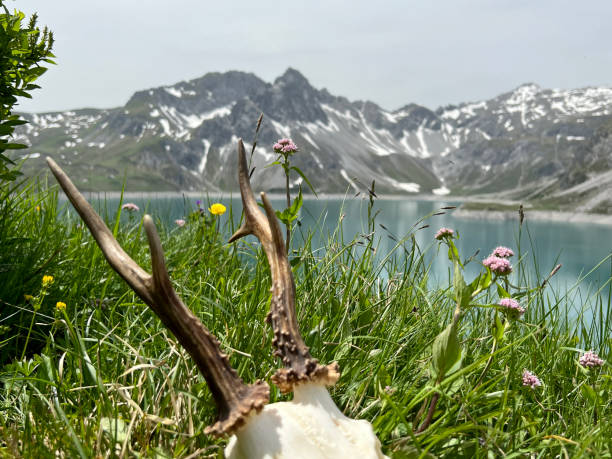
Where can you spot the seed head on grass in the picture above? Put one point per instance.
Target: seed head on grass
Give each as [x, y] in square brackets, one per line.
[531, 380]
[589, 360]
[444, 233]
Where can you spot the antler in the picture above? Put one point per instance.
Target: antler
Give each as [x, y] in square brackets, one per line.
[300, 366]
[235, 400]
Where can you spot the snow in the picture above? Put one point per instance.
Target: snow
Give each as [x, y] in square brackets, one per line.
[373, 141]
[424, 150]
[390, 116]
[312, 128]
[154, 113]
[281, 129]
[317, 160]
[173, 91]
[202, 165]
[165, 126]
[261, 151]
[346, 177]
[575, 137]
[347, 115]
[376, 148]
[484, 134]
[405, 143]
[452, 114]
[309, 139]
[410, 187]
[330, 127]
[469, 108]
[217, 112]
[442, 191]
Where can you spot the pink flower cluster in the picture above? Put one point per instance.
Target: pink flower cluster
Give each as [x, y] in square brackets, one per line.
[531, 380]
[444, 232]
[589, 360]
[502, 252]
[513, 308]
[130, 206]
[179, 222]
[498, 261]
[285, 146]
[499, 266]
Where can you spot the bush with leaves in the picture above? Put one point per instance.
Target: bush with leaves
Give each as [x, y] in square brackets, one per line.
[22, 50]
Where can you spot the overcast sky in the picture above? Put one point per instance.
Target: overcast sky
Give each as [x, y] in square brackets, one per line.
[431, 52]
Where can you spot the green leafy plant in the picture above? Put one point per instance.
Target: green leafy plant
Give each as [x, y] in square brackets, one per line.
[22, 50]
[285, 148]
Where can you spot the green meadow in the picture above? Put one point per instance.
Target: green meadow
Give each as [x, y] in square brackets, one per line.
[102, 377]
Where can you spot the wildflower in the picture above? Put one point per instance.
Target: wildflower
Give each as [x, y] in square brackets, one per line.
[529, 379]
[502, 252]
[217, 209]
[390, 390]
[285, 146]
[180, 222]
[47, 280]
[499, 266]
[37, 208]
[60, 306]
[589, 360]
[443, 233]
[28, 297]
[513, 308]
[130, 206]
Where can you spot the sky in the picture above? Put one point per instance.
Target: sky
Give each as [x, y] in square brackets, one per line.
[430, 52]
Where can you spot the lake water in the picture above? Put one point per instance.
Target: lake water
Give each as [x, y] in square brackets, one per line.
[579, 247]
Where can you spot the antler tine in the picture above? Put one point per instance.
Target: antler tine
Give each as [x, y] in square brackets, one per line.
[235, 400]
[300, 366]
[254, 220]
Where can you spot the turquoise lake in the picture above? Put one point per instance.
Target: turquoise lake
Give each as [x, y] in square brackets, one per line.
[579, 247]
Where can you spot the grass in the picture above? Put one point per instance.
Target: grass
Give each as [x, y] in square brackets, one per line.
[104, 378]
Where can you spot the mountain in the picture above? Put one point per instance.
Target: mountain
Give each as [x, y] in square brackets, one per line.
[549, 146]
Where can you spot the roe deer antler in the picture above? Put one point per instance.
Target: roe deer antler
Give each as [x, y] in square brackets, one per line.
[300, 366]
[235, 400]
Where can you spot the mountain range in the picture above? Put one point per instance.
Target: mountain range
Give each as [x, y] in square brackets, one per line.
[552, 147]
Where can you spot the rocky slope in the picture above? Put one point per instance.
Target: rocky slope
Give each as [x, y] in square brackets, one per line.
[549, 146]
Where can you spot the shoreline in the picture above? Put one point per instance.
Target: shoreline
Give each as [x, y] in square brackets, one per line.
[500, 215]
[537, 215]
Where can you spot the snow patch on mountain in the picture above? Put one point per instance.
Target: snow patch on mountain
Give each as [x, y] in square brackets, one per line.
[202, 165]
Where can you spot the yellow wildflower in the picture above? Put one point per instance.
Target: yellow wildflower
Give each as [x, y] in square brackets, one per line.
[217, 209]
[47, 280]
[60, 306]
[37, 208]
[28, 297]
